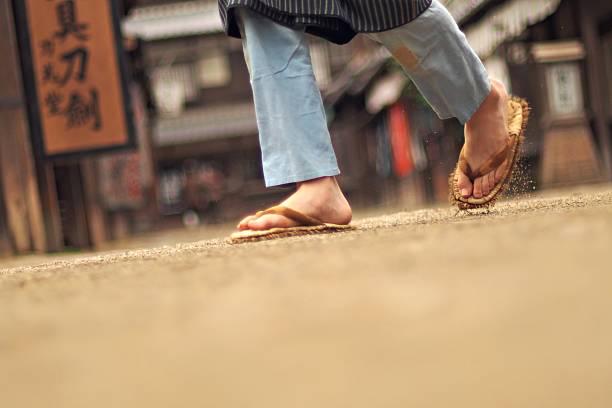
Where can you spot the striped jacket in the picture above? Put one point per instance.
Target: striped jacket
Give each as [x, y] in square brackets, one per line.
[336, 20]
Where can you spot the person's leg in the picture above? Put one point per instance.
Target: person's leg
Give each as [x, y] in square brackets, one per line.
[437, 57]
[295, 142]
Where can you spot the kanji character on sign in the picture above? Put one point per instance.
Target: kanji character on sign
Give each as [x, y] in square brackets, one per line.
[67, 19]
[47, 73]
[47, 47]
[53, 102]
[80, 112]
[81, 57]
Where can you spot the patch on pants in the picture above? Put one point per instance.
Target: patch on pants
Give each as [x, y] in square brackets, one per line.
[406, 57]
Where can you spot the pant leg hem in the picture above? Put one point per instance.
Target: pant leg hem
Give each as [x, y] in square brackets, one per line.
[481, 96]
[297, 178]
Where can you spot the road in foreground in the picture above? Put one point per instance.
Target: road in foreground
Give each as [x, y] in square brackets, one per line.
[419, 309]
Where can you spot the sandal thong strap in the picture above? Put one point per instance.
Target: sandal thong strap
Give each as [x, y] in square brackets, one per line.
[293, 215]
[491, 164]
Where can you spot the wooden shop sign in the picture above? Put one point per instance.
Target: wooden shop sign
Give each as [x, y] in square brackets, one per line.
[74, 76]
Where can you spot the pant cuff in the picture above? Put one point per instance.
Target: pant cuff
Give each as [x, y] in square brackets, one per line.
[274, 181]
[480, 94]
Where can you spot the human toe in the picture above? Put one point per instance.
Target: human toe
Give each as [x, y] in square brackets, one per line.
[478, 188]
[268, 222]
[492, 181]
[499, 173]
[244, 224]
[486, 188]
[258, 224]
[464, 184]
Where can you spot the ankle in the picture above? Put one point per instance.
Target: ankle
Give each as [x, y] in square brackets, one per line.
[318, 184]
[492, 105]
[323, 192]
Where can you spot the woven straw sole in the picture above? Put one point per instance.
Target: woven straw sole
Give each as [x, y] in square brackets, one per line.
[517, 122]
[274, 233]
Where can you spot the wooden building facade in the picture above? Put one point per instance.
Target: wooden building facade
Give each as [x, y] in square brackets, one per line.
[53, 204]
[198, 156]
[557, 53]
[204, 129]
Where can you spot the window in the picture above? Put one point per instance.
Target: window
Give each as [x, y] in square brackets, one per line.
[173, 85]
[213, 70]
[565, 89]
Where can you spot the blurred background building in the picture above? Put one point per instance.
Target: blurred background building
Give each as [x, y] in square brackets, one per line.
[198, 159]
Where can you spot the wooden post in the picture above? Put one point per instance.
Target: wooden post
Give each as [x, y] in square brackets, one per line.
[6, 247]
[596, 81]
[12, 187]
[95, 212]
[17, 168]
[30, 186]
[71, 198]
[120, 225]
[50, 205]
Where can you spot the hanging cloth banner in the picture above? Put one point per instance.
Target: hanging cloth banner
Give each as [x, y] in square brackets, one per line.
[399, 131]
[384, 160]
[74, 76]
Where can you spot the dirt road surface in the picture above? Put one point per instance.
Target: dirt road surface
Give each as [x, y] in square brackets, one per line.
[417, 309]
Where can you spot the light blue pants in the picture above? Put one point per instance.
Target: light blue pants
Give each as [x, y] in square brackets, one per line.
[295, 141]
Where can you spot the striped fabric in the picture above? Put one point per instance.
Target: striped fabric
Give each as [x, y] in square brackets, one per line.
[336, 20]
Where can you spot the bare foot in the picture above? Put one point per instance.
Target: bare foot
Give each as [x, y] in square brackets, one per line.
[486, 135]
[319, 198]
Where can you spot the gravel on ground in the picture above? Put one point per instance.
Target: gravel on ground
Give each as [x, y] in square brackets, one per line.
[426, 308]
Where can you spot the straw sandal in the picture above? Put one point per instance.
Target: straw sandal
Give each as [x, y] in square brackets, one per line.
[306, 226]
[518, 114]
